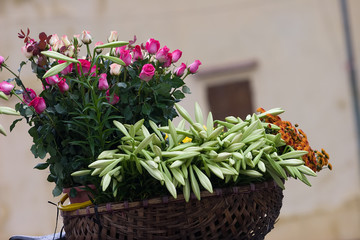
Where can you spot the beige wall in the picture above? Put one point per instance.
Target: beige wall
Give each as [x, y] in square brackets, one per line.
[302, 67]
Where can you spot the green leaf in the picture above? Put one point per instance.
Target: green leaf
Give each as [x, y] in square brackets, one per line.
[186, 89]
[21, 65]
[60, 109]
[146, 109]
[56, 191]
[41, 166]
[121, 85]
[178, 94]
[14, 123]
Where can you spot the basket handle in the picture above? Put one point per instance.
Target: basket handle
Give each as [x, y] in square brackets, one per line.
[73, 206]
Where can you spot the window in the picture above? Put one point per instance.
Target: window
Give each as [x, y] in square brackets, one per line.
[230, 99]
[229, 89]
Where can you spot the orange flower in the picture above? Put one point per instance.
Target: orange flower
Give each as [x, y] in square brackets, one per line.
[298, 140]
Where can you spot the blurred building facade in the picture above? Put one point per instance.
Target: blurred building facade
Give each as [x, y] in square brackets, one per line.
[255, 53]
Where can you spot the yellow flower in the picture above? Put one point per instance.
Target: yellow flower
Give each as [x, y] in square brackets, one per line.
[186, 139]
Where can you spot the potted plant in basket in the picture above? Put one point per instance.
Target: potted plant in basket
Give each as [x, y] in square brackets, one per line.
[105, 122]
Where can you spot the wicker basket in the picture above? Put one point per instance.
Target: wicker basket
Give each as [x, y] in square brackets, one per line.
[247, 212]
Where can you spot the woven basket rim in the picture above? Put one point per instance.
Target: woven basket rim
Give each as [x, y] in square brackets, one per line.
[126, 205]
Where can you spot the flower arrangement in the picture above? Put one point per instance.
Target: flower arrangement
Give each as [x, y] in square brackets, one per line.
[71, 117]
[106, 119]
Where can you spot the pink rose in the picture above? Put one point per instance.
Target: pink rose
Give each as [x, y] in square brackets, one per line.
[118, 50]
[112, 99]
[125, 56]
[103, 83]
[29, 96]
[63, 86]
[6, 87]
[168, 60]
[66, 70]
[85, 64]
[86, 37]
[39, 104]
[152, 46]
[194, 66]
[137, 53]
[179, 71]
[147, 72]
[176, 55]
[162, 55]
[2, 60]
[115, 69]
[52, 80]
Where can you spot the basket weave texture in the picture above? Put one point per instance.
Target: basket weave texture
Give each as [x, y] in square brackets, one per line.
[246, 212]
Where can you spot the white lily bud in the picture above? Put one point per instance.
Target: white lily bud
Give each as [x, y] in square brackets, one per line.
[113, 36]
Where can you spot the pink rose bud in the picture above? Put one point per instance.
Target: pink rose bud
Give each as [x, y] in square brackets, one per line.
[65, 40]
[39, 104]
[103, 83]
[112, 99]
[176, 55]
[2, 60]
[162, 55]
[125, 56]
[6, 87]
[27, 54]
[29, 96]
[168, 60]
[99, 50]
[152, 46]
[194, 66]
[77, 36]
[147, 72]
[113, 36]
[86, 37]
[52, 80]
[66, 70]
[54, 38]
[179, 71]
[115, 69]
[137, 53]
[63, 86]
